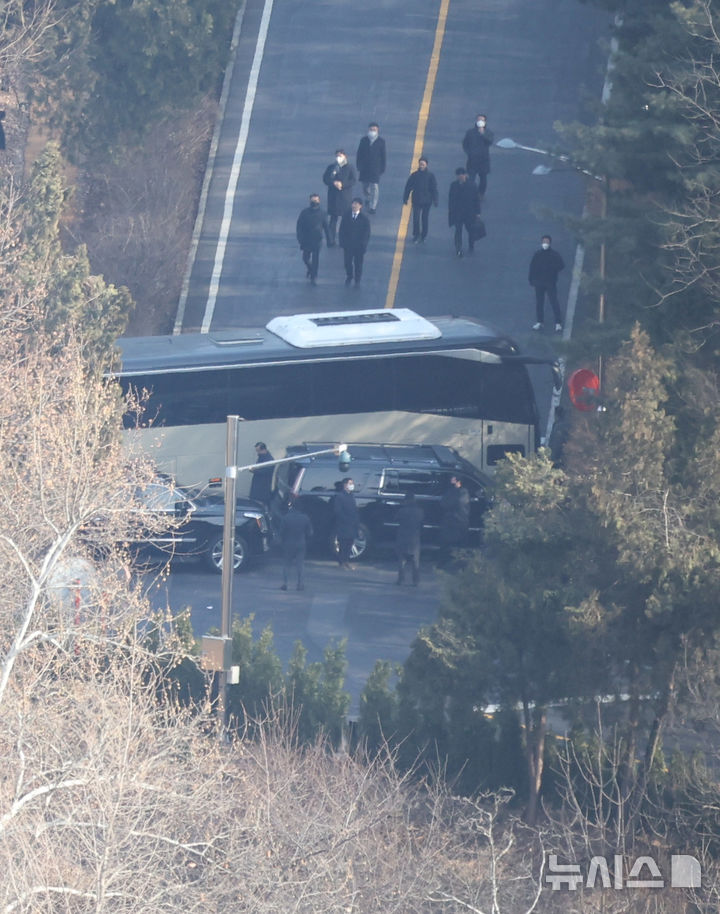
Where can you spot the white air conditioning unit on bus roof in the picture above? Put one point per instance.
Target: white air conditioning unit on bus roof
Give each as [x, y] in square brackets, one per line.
[347, 328]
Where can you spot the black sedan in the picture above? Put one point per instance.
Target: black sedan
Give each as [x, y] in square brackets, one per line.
[195, 527]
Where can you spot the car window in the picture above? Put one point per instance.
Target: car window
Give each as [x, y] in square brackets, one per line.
[159, 498]
[419, 482]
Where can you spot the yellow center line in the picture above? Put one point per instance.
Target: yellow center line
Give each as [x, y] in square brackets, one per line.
[418, 148]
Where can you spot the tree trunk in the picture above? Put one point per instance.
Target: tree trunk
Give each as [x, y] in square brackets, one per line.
[535, 732]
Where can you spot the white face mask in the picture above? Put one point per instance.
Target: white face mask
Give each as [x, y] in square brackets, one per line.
[350, 487]
[340, 160]
[372, 134]
[545, 245]
[480, 122]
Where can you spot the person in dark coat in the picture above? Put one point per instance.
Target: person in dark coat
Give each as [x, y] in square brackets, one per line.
[339, 177]
[455, 520]
[545, 267]
[423, 187]
[476, 143]
[354, 237]
[463, 209]
[371, 159]
[347, 521]
[261, 485]
[407, 539]
[295, 532]
[312, 224]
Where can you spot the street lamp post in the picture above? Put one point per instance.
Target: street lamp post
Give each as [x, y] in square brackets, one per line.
[228, 553]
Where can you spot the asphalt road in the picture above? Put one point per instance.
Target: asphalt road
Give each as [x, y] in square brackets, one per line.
[364, 606]
[317, 73]
[323, 72]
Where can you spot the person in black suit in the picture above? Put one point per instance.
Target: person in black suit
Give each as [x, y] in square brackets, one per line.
[423, 187]
[261, 485]
[354, 237]
[371, 160]
[339, 177]
[463, 209]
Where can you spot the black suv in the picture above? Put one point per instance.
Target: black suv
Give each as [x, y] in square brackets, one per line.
[383, 474]
[200, 536]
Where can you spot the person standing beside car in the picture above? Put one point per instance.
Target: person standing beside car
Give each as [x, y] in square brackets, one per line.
[261, 485]
[295, 533]
[407, 539]
[347, 521]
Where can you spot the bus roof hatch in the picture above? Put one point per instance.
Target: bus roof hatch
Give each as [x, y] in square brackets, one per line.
[348, 328]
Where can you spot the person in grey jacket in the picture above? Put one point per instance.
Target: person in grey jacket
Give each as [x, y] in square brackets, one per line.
[295, 532]
[312, 224]
[422, 186]
[407, 538]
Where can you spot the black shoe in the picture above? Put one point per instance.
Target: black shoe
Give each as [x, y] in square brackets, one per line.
[416, 240]
[357, 282]
[422, 239]
[283, 587]
[331, 244]
[313, 281]
[307, 273]
[348, 280]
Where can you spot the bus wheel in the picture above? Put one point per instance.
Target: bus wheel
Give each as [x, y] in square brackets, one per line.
[214, 552]
[360, 547]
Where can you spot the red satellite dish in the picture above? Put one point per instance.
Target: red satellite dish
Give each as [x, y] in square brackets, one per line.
[584, 388]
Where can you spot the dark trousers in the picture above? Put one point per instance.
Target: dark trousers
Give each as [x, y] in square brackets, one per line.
[551, 292]
[481, 176]
[311, 259]
[408, 555]
[332, 230]
[344, 549]
[353, 263]
[420, 215]
[468, 225]
[294, 556]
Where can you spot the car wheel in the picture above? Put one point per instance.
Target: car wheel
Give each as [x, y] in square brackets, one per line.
[360, 547]
[214, 552]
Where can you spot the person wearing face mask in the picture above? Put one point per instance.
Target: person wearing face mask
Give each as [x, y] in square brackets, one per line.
[545, 266]
[339, 177]
[347, 521]
[423, 187]
[312, 224]
[371, 161]
[476, 143]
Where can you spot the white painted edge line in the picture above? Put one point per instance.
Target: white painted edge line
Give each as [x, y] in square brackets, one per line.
[236, 165]
[579, 253]
[209, 168]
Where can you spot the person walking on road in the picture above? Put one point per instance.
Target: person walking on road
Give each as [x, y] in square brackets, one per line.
[545, 267]
[476, 143]
[455, 519]
[371, 160]
[312, 224]
[354, 237]
[422, 186]
[463, 210]
[347, 522]
[407, 539]
[261, 485]
[339, 177]
[295, 533]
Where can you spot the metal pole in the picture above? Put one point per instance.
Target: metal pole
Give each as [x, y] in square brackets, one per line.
[603, 266]
[230, 487]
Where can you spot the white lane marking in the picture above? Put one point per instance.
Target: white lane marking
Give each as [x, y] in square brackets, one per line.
[209, 168]
[236, 165]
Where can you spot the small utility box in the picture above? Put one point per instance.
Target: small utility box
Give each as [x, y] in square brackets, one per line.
[216, 653]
